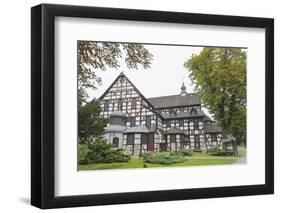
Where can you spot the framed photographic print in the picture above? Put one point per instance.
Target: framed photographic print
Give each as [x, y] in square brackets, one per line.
[140, 106]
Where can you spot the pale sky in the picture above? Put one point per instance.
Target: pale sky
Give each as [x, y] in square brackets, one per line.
[165, 76]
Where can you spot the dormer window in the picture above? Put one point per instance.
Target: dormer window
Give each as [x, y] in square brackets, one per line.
[193, 111]
[121, 80]
[172, 112]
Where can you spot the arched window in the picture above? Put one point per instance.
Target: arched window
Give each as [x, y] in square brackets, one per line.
[115, 142]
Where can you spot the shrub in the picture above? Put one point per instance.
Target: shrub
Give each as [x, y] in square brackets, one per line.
[83, 154]
[218, 151]
[183, 152]
[101, 152]
[163, 158]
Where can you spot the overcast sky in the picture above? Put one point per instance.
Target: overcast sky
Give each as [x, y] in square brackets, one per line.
[165, 76]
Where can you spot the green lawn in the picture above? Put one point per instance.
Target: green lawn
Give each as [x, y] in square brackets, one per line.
[198, 159]
[138, 163]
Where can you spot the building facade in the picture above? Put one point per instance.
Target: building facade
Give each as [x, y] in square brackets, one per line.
[142, 125]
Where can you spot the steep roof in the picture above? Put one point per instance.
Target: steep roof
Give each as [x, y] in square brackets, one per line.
[136, 89]
[174, 131]
[189, 114]
[118, 114]
[175, 100]
[137, 129]
[115, 128]
[210, 128]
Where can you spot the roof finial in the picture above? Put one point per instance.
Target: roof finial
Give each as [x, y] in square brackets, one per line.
[183, 90]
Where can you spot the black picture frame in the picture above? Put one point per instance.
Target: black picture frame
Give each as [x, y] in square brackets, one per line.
[43, 105]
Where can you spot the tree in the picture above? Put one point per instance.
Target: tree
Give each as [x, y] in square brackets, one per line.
[91, 124]
[219, 75]
[102, 55]
[100, 151]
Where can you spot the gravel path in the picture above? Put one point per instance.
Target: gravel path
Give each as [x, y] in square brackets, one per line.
[241, 160]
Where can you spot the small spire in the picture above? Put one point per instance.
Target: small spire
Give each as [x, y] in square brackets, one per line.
[183, 90]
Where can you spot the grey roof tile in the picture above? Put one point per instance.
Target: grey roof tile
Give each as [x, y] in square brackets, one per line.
[118, 114]
[199, 113]
[137, 129]
[115, 128]
[175, 100]
[174, 131]
[210, 128]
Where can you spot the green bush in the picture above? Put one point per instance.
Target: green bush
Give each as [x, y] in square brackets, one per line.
[218, 151]
[83, 154]
[184, 152]
[163, 158]
[102, 152]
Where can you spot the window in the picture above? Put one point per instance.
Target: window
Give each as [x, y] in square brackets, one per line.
[115, 142]
[130, 139]
[168, 124]
[120, 104]
[144, 138]
[196, 124]
[134, 103]
[181, 123]
[197, 142]
[148, 121]
[106, 105]
[213, 137]
[193, 111]
[133, 121]
[172, 138]
[121, 80]
[196, 138]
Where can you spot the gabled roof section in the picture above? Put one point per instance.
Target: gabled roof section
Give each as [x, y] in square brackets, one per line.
[111, 85]
[175, 100]
[136, 89]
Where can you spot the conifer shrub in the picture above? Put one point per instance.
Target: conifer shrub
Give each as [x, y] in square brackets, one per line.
[163, 158]
[219, 151]
[100, 151]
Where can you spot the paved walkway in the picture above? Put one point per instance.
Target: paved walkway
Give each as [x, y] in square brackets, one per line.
[241, 160]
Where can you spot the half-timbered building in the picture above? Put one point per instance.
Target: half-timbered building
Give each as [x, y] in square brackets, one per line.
[168, 123]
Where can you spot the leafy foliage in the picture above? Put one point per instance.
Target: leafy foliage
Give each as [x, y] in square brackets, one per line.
[91, 124]
[218, 151]
[83, 151]
[102, 152]
[102, 55]
[219, 75]
[183, 152]
[163, 158]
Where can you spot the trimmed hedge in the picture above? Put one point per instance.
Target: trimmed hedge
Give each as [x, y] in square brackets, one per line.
[218, 151]
[163, 158]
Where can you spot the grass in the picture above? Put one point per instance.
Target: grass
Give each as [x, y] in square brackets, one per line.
[133, 163]
[139, 163]
[198, 159]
